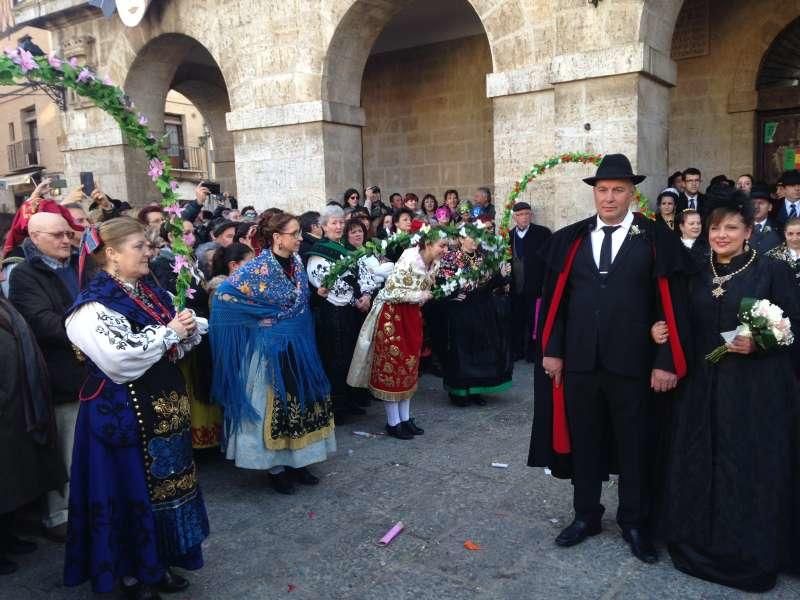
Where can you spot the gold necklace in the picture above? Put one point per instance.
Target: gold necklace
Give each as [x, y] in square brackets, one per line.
[718, 291]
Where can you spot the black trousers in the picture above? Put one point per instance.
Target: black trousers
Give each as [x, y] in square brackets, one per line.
[607, 417]
[523, 310]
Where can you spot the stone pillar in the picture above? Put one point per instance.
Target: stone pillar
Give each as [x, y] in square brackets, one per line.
[296, 156]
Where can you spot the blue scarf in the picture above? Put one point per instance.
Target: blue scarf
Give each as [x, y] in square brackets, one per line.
[247, 352]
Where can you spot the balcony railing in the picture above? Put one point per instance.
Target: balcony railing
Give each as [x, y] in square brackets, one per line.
[188, 158]
[23, 154]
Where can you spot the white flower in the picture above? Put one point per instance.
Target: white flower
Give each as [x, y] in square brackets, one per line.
[774, 313]
[634, 231]
[744, 331]
[425, 228]
[384, 244]
[415, 239]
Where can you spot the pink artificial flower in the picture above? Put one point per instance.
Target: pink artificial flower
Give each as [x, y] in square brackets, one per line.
[190, 293]
[54, 61]
[180, 263]
[174, 185]
[73, 62]
[12, 53]
[27, 62]
[173, 209]
[156, 168]
[189, 239]
[85, 76]
[107, 80]
[143, 120]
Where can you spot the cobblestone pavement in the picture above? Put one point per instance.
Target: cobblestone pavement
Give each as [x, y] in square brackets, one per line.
[321, 542]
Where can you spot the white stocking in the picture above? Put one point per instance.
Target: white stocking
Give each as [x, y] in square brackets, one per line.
[392, 414]
[405, 409]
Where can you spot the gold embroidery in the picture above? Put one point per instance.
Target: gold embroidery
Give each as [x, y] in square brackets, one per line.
[295, 432]
[172, 413]
[171, 487]
[394, 350]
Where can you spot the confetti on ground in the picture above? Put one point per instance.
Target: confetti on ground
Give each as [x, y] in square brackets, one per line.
[391, 534]
[497, 465]
[312, 514]
[470, 545]
[291, 588]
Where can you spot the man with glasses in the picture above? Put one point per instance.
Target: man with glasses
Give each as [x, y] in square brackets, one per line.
[42, 288]
[691, 198]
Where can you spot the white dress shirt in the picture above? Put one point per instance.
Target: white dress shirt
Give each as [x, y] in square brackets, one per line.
[521, 232]
[617, 238]
[789, 204]
[689, 200]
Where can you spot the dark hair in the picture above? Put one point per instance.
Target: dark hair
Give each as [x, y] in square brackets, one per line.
[727, 201]
[360, 212]
[307, 220]
[680, 219]
[142, 216]
[668, 193]
[400, 212]
[719, 180]
[673, 177]
[435, 203]
[395, 194]
[792, 221]
[242, 229]
[410, 196]
[349, 193]
[220, 228]
[269, 225]
[207, 214]
[223, 256]
[269, 212]
[448, 192]
[692, 171]
[355, 224]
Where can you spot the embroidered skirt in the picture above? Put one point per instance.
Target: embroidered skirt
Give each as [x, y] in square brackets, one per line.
[397, 343]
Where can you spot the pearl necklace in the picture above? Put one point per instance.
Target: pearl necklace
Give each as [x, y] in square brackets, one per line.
[719, 291]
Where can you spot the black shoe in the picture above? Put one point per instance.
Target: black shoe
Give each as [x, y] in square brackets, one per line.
[641, 545]
[139, 591]
[478, 399]
[282, 483]
[399, 432]
[172, 583]
[18, 546]
[304, 476]
[7, 567]
[577, 532]
[411, 427]
[459, 400]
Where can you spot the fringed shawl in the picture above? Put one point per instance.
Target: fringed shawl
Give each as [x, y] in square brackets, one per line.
[260, 325]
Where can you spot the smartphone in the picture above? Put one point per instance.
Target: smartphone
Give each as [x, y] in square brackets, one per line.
[87, 181]
[58, 183]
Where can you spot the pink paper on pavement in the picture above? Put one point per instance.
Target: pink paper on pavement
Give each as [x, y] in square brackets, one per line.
[391, 534]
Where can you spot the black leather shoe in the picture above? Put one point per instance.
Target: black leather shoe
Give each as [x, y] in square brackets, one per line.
[641, 545]
[282, 483]
[399, 432]
[576, 532]
[304, 476]
[172, 583]
[19, 546]
[411, 427]
[478, 399]
[7, 567]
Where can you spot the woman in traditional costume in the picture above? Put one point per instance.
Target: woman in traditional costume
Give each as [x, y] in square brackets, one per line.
[732, 506]
[476, 317]
[267, 373]
[387, 355]
[135, 508]
[339, 315]
[665, 208]
[789, 251]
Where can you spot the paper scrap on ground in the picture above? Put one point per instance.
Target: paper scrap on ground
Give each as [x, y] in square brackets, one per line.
[470, 545]
[391, 534]
[500, 465]
[363, 434]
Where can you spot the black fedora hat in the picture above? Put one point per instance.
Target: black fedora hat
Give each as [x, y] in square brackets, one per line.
[614, 166]
[760, 190]
[790, 177]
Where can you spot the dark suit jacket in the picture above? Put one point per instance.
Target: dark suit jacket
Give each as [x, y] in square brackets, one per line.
[528, 249]
[702, 204]
[605, 322]
[767, 239]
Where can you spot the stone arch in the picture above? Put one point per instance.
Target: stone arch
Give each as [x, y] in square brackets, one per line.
[356, 24]
[177, 61]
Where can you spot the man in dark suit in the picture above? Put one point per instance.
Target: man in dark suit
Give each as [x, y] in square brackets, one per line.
[527, 239]
[597, 345]
[789, 207]
[766, 235]
[691, 196]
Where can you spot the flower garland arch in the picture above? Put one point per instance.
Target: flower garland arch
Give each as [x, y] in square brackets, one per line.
[18, 65]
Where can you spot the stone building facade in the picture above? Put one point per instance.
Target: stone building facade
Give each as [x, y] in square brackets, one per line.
[305, 98]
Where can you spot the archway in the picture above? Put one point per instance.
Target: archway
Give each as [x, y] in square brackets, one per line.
[417, 70]
[180, 63]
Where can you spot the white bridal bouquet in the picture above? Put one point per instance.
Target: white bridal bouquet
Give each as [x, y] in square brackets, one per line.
[761, 320]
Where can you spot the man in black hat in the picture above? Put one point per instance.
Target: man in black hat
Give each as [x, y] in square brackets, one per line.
[765, 234]
[791, 198]
[527, 239]
[608, 277]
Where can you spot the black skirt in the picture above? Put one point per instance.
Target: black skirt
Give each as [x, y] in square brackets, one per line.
[337, 329]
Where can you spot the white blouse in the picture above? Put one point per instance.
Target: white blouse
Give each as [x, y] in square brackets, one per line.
[341, 293]
[106, 337]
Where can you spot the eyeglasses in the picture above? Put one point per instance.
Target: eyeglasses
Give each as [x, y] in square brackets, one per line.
[295, 234]
[353, 197]
[70, 235]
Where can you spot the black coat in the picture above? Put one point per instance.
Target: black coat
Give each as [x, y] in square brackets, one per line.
[702, 204]
[528, 249]
[767, 239]
[43, 299]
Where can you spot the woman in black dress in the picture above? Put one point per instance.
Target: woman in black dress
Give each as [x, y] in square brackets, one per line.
[732, 502]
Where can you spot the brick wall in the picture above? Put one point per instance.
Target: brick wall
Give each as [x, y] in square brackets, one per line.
[429, 122]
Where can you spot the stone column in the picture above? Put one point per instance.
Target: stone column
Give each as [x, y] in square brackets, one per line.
[296, 156]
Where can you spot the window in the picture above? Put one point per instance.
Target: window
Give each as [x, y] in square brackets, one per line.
[173, 127]
[11, 135]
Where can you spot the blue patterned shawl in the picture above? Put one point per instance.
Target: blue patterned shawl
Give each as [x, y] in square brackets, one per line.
[248, 352]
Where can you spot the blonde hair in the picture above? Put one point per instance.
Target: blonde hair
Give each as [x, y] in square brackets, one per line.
[113, 233]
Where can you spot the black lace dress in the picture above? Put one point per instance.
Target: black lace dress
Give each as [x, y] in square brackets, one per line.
[732, 500]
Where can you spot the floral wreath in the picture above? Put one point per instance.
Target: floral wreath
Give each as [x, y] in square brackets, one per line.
[18, 65]
[492, 244]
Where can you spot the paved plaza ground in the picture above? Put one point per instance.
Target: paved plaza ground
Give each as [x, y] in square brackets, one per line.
[321, 542]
